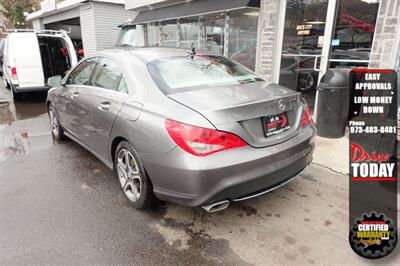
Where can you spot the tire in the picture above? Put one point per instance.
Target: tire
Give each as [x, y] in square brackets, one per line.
[56, 129]
[6, 84]
[133, 179]
[307, 82]
[17, 96]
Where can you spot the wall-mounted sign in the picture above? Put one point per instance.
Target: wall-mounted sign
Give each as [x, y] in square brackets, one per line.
[48, 5]
[304, 29]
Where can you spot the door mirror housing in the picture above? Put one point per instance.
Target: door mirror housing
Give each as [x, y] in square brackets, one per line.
[55, 81]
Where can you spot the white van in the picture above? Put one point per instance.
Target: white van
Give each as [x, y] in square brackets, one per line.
[31, 57]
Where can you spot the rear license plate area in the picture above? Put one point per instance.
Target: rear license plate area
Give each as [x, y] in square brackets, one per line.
[275, 124]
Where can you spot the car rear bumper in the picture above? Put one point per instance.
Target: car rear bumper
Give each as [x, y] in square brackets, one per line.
[30, 89]
[228, 175]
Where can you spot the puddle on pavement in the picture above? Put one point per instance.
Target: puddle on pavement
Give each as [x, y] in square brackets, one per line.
[24, 127]
[27, 108]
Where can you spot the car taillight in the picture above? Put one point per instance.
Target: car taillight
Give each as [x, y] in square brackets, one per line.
[201, 141]
[306, 117]
[14, 73]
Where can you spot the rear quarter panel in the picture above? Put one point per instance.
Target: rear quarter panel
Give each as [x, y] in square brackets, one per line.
[141, 120]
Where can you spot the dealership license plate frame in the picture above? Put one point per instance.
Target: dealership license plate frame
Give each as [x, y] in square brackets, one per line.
[277, 130]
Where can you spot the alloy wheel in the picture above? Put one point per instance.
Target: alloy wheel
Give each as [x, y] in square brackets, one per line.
[129, 175]
[306, 82]
[53, 122]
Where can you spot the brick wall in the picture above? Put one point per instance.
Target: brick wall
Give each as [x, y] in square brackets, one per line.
[269, 15]
[386, 42]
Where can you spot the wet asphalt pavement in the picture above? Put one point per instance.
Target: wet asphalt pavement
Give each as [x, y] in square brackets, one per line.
[60, 205]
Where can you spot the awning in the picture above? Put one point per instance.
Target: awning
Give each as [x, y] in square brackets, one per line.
[193, 8]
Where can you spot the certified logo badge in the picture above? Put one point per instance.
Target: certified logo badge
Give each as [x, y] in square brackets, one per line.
[373, 236]
[281, 105]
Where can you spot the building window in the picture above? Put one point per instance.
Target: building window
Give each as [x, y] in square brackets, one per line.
[153, 34]
[208, 32]
[169, 33]
[189, 32]
[242, 40]
[212, 32]
[354, 33]
[304, 40]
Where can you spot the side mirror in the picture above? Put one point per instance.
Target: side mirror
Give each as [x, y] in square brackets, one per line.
[55, 81]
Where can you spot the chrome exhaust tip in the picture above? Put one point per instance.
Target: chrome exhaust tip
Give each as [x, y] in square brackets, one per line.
[218, 206]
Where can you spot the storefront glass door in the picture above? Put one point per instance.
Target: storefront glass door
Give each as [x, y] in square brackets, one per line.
[354, 32]
[323, 34]
[304, 29]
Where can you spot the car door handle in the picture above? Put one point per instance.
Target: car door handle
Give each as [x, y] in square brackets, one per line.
[104, 106]
[75, 95]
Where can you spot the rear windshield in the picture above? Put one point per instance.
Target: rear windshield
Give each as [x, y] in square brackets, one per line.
[177, 74]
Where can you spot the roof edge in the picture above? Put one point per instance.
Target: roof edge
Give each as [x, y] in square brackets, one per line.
[67, 5]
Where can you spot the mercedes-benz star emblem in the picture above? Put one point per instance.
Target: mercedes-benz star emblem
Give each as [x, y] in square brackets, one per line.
[281, 105]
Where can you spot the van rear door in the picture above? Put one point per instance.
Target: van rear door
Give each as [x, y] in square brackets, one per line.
[27, 59]
[67, 43]
[71, 49]
[67, 40]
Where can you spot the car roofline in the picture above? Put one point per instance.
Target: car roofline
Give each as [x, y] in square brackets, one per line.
[158, 52]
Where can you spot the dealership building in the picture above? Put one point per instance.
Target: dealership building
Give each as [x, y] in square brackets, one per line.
[292, 42]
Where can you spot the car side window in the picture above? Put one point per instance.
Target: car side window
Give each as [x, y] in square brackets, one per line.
[82, 73]
[109, 76]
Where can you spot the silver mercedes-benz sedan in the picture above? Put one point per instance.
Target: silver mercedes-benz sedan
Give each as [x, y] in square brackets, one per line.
[176, 125]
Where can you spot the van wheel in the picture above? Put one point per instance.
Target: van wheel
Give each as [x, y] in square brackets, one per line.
[135, 183]
[56, 129]
[17, 96]
[6, 85]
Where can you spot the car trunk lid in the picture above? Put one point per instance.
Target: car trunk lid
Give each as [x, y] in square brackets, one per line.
[244, 109]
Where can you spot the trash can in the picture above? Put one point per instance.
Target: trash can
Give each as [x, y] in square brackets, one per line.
[332, 104]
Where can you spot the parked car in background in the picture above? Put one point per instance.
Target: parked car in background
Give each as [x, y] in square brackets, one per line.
[31, 57]
[127, 35]
[1, 56]
[180, 126]
[298, 72]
